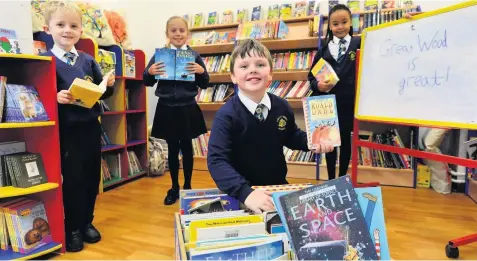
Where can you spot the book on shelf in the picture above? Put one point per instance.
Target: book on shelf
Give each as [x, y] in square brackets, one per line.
[87, 94]
[7, 148]
[212, 18]
[3, 89]
[175, 62]
[321, 120]
[23, 169]
[106, 61]
[133, 163]
[111, 165]
[130, 63]
[9, 42]
[24, 225]
[227, 17]
[23, 104]
[324, 72]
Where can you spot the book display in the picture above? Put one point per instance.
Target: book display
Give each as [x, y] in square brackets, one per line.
[124, 117]
[293, 33]
[332, 220]
[31, 219]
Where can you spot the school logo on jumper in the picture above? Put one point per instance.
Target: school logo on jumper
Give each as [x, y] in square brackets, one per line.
[88, 78]
[282, 122]
[352, 55]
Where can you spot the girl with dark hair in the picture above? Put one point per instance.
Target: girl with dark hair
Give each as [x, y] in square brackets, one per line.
[339, 50]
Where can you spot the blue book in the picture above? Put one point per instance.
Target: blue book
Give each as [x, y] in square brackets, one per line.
[325, 222]
[268, 250]
[175, 62]
[371, 202]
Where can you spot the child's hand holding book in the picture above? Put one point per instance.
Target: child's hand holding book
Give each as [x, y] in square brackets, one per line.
[194, 67]
[64, 97]
[157, 69]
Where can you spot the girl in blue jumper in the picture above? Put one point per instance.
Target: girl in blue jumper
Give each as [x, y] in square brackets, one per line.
[178, 118]
[339, 49]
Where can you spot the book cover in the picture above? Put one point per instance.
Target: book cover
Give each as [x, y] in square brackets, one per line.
[183, 58]
[175, 62]
[193, 202]
[209, 206]
[85, 93]
[325, 222]
[23, 104]
[267, 250]
[130, 66]
[371, 203]
[321, 120]
[227, 17]
[324, 72]
[273, 12]
[212, 19]
[9, 42]
[285, 11]
[256, 13]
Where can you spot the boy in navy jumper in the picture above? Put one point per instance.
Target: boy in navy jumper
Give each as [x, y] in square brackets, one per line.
[249, 132]
[80, 131]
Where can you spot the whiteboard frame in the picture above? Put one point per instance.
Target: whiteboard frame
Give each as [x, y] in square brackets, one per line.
[405, 121]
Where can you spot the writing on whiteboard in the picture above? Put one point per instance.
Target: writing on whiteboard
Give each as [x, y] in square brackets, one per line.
[414, 77]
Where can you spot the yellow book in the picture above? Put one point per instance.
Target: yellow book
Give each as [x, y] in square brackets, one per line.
[219, 222]
[324, 72]
[86, 93]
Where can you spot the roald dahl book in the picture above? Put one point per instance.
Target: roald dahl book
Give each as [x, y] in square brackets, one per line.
[325, 222]
[175, 62]
[321, 120]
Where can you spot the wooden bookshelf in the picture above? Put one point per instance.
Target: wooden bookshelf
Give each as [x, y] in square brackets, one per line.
[39, 137]
[127, 90]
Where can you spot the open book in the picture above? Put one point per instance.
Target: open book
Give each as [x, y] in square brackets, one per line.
[86, 93]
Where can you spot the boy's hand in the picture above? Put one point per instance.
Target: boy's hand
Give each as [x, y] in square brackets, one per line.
[195, 68]
[64, 97]
[111, 80]
[324, 86]
[259, 201]
[157, 69]
[323, 148]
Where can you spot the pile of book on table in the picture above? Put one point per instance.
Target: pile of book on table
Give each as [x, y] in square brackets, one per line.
[328, 221]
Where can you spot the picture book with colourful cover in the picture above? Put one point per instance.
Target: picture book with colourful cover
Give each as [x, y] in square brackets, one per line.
[175, 62]
[324, 72]
[321, 120]
[325, 222]
[85, 93]
[23, 104]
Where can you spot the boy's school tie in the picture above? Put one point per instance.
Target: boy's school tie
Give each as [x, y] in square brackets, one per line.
[70, 57]
[259, 112]
[341, 50]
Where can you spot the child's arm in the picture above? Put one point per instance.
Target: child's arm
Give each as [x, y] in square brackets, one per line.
[296, 138]
[202, 80]
[98, 78]
[219, 154]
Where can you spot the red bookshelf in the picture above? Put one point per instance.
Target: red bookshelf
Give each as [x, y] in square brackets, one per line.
[40, 137]
[128, 91]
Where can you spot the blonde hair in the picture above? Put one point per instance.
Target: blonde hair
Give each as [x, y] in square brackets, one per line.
[248, 47]
[174, 18]
[52, 7]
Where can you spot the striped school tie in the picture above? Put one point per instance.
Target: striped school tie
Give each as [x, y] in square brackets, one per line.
[259, 112]
[341, 50]
[70, 58]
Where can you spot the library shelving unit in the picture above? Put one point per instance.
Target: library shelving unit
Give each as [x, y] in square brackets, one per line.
[39, 137]
[126, 127]
[297, 40]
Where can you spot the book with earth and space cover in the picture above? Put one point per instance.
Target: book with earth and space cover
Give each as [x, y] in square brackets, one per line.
[325, 222]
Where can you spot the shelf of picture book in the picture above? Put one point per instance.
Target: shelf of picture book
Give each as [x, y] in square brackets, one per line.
[123, 165]
[329, 221]
[283, 27]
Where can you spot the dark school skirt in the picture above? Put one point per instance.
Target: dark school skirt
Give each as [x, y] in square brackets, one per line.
[178, 122]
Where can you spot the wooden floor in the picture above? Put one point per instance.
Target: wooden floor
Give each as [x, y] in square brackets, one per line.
[135, 223]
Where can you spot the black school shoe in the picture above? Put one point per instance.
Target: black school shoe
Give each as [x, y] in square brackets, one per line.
[91, 234]
[74, 241]
[172, 196]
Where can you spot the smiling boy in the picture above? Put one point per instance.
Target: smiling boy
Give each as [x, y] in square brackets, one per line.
[80, 130]
[248, 134]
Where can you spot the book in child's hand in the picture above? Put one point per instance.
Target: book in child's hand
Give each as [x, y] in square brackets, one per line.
[175, 62]
[321, 120]
[86, 93]
[324, 72]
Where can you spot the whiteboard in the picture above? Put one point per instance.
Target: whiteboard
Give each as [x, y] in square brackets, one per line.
[422, 70]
